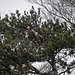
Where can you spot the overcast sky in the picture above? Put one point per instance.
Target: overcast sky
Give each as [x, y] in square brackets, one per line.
[7, 6]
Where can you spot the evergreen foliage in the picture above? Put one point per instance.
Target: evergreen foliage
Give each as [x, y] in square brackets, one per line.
[24, 39]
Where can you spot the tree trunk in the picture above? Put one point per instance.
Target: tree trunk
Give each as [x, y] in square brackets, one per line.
[53, 73]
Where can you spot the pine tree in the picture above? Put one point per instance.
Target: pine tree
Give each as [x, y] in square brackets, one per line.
[26, 39]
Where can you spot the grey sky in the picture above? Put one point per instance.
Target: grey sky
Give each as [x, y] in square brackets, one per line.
[7, 6]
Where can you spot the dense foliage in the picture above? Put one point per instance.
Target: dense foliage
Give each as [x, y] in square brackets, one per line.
[24, 39]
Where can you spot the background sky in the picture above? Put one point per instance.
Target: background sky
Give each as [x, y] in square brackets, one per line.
[7, 6]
